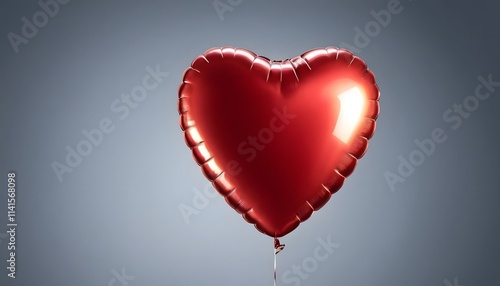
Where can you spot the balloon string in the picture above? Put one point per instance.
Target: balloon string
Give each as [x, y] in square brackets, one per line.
[278, 247]
[274, 268]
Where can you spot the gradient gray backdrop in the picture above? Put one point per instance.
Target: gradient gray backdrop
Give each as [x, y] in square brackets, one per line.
[119, 209]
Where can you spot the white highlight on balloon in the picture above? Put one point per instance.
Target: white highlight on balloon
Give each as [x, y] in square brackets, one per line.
[351, 105]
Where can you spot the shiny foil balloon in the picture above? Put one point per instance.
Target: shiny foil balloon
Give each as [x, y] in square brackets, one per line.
[277, 138]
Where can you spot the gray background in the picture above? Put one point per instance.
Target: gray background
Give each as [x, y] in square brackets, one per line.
[119, 209]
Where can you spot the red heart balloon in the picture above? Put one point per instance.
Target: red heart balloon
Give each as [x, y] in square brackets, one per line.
[277, 138]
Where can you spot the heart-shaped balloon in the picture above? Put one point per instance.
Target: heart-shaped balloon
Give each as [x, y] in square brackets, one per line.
[277, 138]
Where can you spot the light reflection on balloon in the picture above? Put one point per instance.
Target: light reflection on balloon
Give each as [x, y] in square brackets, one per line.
[351, 106]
